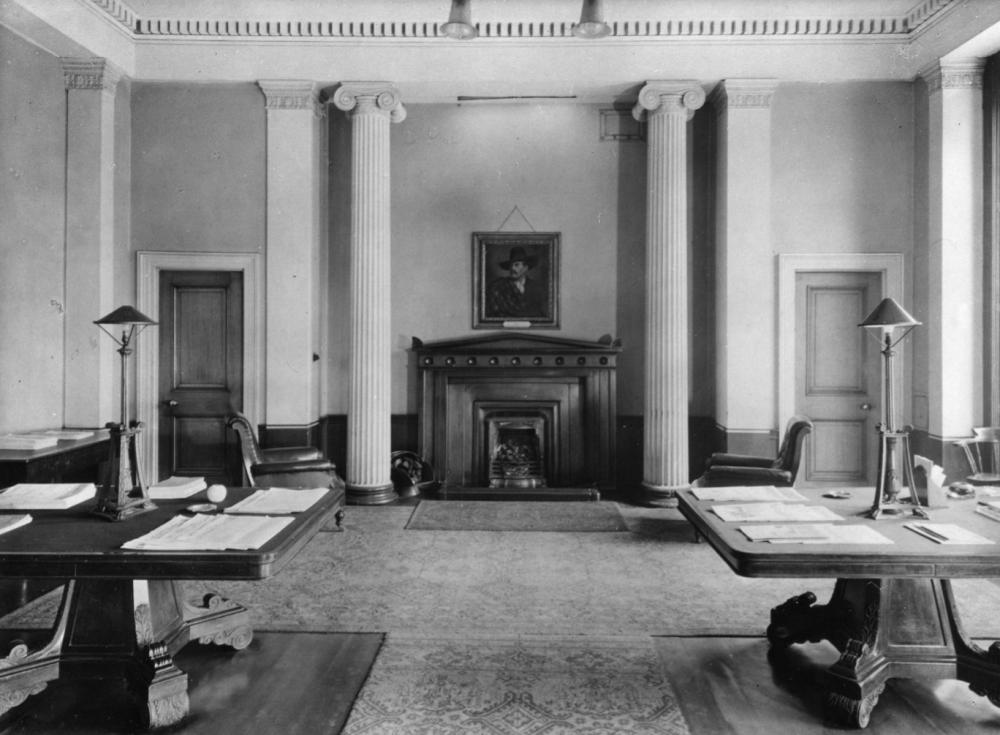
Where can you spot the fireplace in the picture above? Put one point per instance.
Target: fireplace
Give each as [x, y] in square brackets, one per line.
[514, 412]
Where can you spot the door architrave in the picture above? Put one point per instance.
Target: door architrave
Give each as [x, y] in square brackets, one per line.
[890, 267]
[148, 266]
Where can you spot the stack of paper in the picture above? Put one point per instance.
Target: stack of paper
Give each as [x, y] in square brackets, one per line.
[176, 487]
[815, 533]
[758, 493]
[46, 496]
[27, 441]
[210, 532]
[9, 523]
[68, 434]
[774, 512]
[278, 501]
[946, 533]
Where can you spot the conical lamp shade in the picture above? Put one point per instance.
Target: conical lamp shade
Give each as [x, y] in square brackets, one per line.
[887, 315]
[125, 315]
[591, 23]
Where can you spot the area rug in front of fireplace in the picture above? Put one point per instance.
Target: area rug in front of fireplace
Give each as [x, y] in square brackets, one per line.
[516, 685]
[505, 515]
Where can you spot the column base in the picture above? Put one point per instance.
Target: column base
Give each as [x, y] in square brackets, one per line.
[657, 496]
[371, 494]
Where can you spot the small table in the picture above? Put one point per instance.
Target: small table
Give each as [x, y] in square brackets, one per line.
[123, 614]
[71, 460]
[892, 612]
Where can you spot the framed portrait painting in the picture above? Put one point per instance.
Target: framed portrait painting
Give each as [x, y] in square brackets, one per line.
[515, 280]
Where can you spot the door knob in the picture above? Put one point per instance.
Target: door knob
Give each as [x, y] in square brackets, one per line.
[171, 403]
[866, 407]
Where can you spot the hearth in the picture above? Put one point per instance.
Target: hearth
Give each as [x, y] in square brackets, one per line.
[517, 412]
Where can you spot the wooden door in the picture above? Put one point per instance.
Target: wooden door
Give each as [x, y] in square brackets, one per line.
[201, 373]
[838, 375]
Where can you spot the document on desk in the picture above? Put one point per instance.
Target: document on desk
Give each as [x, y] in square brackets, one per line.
[814, 533]
[210, 532]
[46, 495]
[748, 494]
[774, 512]
[278, 501]
[947, 533]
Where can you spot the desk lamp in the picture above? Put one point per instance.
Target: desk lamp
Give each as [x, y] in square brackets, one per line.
[894, 445]
[123, 492]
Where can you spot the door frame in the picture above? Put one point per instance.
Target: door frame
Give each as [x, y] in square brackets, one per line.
[149, 263]
[888, 265]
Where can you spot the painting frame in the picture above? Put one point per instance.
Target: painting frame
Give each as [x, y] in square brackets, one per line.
[498, 303]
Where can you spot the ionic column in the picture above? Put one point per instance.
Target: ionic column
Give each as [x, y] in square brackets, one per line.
[90, 382]
[665, 455]
[295, 171]
[371, 106]
[954, 320]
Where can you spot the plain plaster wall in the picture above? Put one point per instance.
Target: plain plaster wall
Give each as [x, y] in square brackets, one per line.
[32, 244]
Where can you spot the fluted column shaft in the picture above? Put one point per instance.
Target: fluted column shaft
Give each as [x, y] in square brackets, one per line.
[90, 383]
[371, 107]
[665, 452]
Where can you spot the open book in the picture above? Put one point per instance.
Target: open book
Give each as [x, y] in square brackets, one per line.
[210, 532]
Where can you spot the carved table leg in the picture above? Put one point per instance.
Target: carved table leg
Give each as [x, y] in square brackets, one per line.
[883, 628]
[220, 621]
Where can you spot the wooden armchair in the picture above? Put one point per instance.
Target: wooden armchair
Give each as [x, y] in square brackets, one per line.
[741, 469]
[282, 466]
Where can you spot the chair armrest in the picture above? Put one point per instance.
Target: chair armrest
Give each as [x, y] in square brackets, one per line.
[728, 475]
[290, 454]
[310, 465]
[739, 460]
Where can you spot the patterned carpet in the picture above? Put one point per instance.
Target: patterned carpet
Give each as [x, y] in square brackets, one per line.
[516, 686]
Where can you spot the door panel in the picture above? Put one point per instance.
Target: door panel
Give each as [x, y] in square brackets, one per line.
[837, 379]
[201, 372]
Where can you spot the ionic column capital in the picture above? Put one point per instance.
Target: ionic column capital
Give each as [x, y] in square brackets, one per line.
[282, 94]
[743, 94]
[955, 74]
[362, 98]
[669, 97]
[89, 73]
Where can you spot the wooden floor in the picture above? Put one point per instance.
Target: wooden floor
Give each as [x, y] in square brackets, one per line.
[305, 683]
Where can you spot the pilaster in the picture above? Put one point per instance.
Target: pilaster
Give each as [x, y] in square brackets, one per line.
[89, 379]
[745, 274]
[371, 106]
[955, 249]
[295, 240]
[668, 106]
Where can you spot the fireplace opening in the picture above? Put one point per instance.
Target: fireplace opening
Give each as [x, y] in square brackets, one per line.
[515, 450]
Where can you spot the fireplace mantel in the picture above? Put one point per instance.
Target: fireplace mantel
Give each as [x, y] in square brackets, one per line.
[568, 384]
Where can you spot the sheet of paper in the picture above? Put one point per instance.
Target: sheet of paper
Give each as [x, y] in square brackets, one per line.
[278, 501]
[947, 533]
[815, 533]
[46, 495]
[210, 532]
[774, 512]
[176, 487]
[748, 494]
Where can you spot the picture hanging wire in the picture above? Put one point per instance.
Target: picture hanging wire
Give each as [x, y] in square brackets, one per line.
[518, 210]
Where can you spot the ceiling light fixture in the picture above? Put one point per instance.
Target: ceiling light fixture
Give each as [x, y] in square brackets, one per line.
[591, 23]
[459, 23]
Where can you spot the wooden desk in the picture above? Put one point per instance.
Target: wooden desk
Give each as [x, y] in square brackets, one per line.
[68, 461]
[122, 614]
[892, 613]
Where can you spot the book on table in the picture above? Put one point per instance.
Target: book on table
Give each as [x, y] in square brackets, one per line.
[46, 495]
[28, 442]
[9, 523]
[176, 487]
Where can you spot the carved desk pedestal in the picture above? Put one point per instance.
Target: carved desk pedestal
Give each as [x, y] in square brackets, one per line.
[123, 615]
[892, 613]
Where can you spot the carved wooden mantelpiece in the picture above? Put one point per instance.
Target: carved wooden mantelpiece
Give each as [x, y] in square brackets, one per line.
[566, 385]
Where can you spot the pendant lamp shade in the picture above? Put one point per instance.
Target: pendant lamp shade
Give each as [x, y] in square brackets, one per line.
[591, 23]
[459, 23]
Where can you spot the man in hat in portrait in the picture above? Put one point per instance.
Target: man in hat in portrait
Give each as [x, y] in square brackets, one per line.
[516, 296]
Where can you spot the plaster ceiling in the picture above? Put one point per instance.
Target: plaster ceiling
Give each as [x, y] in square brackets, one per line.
[524, 48]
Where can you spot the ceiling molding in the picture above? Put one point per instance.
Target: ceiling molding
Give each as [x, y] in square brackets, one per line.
[895, 27]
